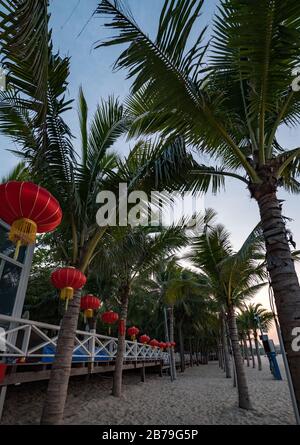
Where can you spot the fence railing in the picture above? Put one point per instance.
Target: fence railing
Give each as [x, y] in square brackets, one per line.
[34, 341]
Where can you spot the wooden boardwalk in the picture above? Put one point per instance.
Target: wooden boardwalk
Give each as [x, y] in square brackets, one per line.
[32, 372]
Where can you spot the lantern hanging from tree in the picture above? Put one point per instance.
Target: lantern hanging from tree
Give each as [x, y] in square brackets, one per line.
[29, 209]
[89, 303]
[133, 332]
[110, 318]
[67, 279]
[144, 339]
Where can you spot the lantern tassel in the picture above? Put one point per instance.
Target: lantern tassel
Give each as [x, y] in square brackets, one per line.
[17, 250]
[66, 304]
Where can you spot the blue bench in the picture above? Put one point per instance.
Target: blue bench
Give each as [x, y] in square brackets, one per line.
[80, 353]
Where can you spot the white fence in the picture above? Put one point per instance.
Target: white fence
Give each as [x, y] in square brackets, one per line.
[36, 342]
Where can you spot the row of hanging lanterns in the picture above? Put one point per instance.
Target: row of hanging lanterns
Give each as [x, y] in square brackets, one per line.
[68, 279]
[161, 345]
[30, 209]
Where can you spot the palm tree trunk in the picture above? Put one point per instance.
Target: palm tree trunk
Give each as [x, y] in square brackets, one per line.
[242, 350]
[171, 318]
[219, 356]
[282, 272]
[243, 392]
[197, 352]
[251, 350]
[181, 346]
[191, 353]
[118, 374]
[246, 351]
[257, 351]
[225, 347]
[222, 356]
[57, 391]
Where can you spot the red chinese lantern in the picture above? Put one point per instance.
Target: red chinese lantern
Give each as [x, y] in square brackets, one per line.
[162, 345]
[29, 209]
[144, 339]
[67, 279]
[133, 332]
[173, 344]
[154, 343]
[168, 345]
[109, 318]
[89, 304]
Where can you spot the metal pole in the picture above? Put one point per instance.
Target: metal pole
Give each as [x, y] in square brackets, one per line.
[173, 358]
[168, 340]
[284, 357]
[2, 399]
[287, 371]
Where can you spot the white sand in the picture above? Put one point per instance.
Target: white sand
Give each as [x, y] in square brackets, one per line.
[201, 395]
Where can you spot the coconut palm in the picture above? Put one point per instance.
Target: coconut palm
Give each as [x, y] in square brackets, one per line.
[178, 286]
[227, 98]
[32, 114]
[174, 288]
[230, 277]
[225, 343]
[244, 329]
[198, 320]
[131, 254]
[192, 312]
[258, 317]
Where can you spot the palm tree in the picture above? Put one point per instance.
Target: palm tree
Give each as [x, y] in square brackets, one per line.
[258, 317]
[179, 285]
[244, 329]
[224, 343]
[201, 324]
[230, 277]
[228, 98]
[31, 113]
[132, 254]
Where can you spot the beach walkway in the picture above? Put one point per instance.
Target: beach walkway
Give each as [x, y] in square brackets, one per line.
[201, 395]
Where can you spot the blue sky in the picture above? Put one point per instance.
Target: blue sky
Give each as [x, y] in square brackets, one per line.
[93, 69]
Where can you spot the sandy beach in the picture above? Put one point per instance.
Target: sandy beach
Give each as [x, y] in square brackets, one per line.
[201, 395]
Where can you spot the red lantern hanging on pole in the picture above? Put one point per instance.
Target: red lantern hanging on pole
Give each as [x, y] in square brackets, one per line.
[133, 332]
[109, 318]
[29, 209]
[89, 303]
[144, 339]
[67, 279]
